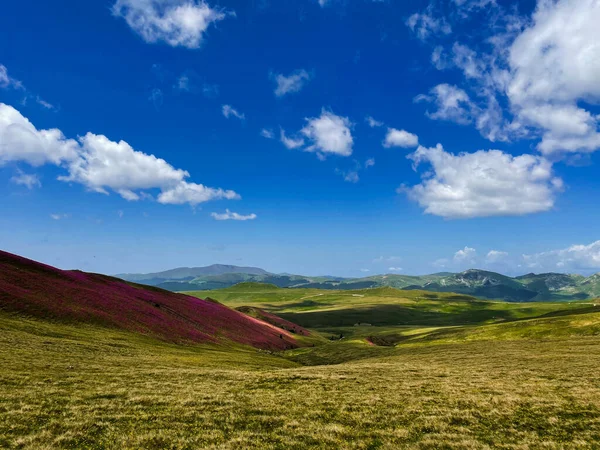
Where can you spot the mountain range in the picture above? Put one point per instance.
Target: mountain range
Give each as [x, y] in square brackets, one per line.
[479, 283]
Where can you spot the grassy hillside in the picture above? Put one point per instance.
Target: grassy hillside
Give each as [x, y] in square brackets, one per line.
[82, 386]
[383, 369]
[39, 290]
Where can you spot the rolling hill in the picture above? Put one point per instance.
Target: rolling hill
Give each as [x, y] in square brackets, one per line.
[478, 283]
[37, 290]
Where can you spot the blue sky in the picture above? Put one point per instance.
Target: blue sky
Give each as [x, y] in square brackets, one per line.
[343, 137]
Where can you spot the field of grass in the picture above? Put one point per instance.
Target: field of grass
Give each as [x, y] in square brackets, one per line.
[460, 373]
[313, 308]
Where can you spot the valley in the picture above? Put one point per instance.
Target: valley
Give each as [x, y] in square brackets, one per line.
[360, 369]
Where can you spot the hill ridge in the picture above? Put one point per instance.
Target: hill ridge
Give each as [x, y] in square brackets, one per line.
[39, 290]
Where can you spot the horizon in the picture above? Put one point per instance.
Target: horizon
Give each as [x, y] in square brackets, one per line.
[339, 276]
[242, 136]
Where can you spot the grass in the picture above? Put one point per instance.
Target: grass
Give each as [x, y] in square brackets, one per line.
[313, 308]
[507, 376]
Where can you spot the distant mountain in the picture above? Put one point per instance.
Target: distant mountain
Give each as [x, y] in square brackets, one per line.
[188, 273]
[479, 283]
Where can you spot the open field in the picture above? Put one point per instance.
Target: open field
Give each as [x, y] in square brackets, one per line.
[473, 374]
[65, 386]
[314, 308]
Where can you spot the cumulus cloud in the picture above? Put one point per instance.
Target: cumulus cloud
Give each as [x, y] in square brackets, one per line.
[395, 269]
[330, 134]
[495, 256]
[228, 215]
[193, 194]
[178, 23]
[484, 183]
[291, 83]
[104, 164]
[400, 138]
[543, 68]
[369, 163]
[229, 111]
[466, 255]
[556, 66]
[576, 257]
[99, 164]
[21, 141]
[28, 180]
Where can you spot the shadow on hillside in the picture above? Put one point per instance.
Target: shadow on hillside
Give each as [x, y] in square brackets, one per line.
[386, 315]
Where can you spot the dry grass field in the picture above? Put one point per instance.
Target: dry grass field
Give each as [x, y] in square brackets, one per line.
[522, 384]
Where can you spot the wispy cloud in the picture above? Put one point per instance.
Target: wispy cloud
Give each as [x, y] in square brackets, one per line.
[229, 111]
[229, 215]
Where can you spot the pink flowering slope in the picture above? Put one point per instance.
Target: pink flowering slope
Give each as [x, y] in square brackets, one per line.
[43, 291]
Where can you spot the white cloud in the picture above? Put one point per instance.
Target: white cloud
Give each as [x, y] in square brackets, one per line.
[294, 82]
[425, 24]
[555, 64]
[329, 134]
[193, 194]
[484, 183]
[228, 215]
[545, 69]
[104, 164]
[400, 138]
[575, 257]
[369, 163]
[289, 142]
[120, 213]
[495, 256]
[372, 122]
[21, 141]
[6, 81]
[466, 255]
[453, 104]
[388, 259]
[267, 133]
[228, 111]
[99, 163]
[351, 177]
[28, 180]
[395, 269]
[175, 22]
[44, 103]
[59, 216]
[365, 270]
[183, 83]
[438, 58]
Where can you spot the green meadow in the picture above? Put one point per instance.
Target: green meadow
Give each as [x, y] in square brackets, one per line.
[389, 369]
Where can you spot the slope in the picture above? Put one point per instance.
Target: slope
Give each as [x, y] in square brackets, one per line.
[38, 290]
